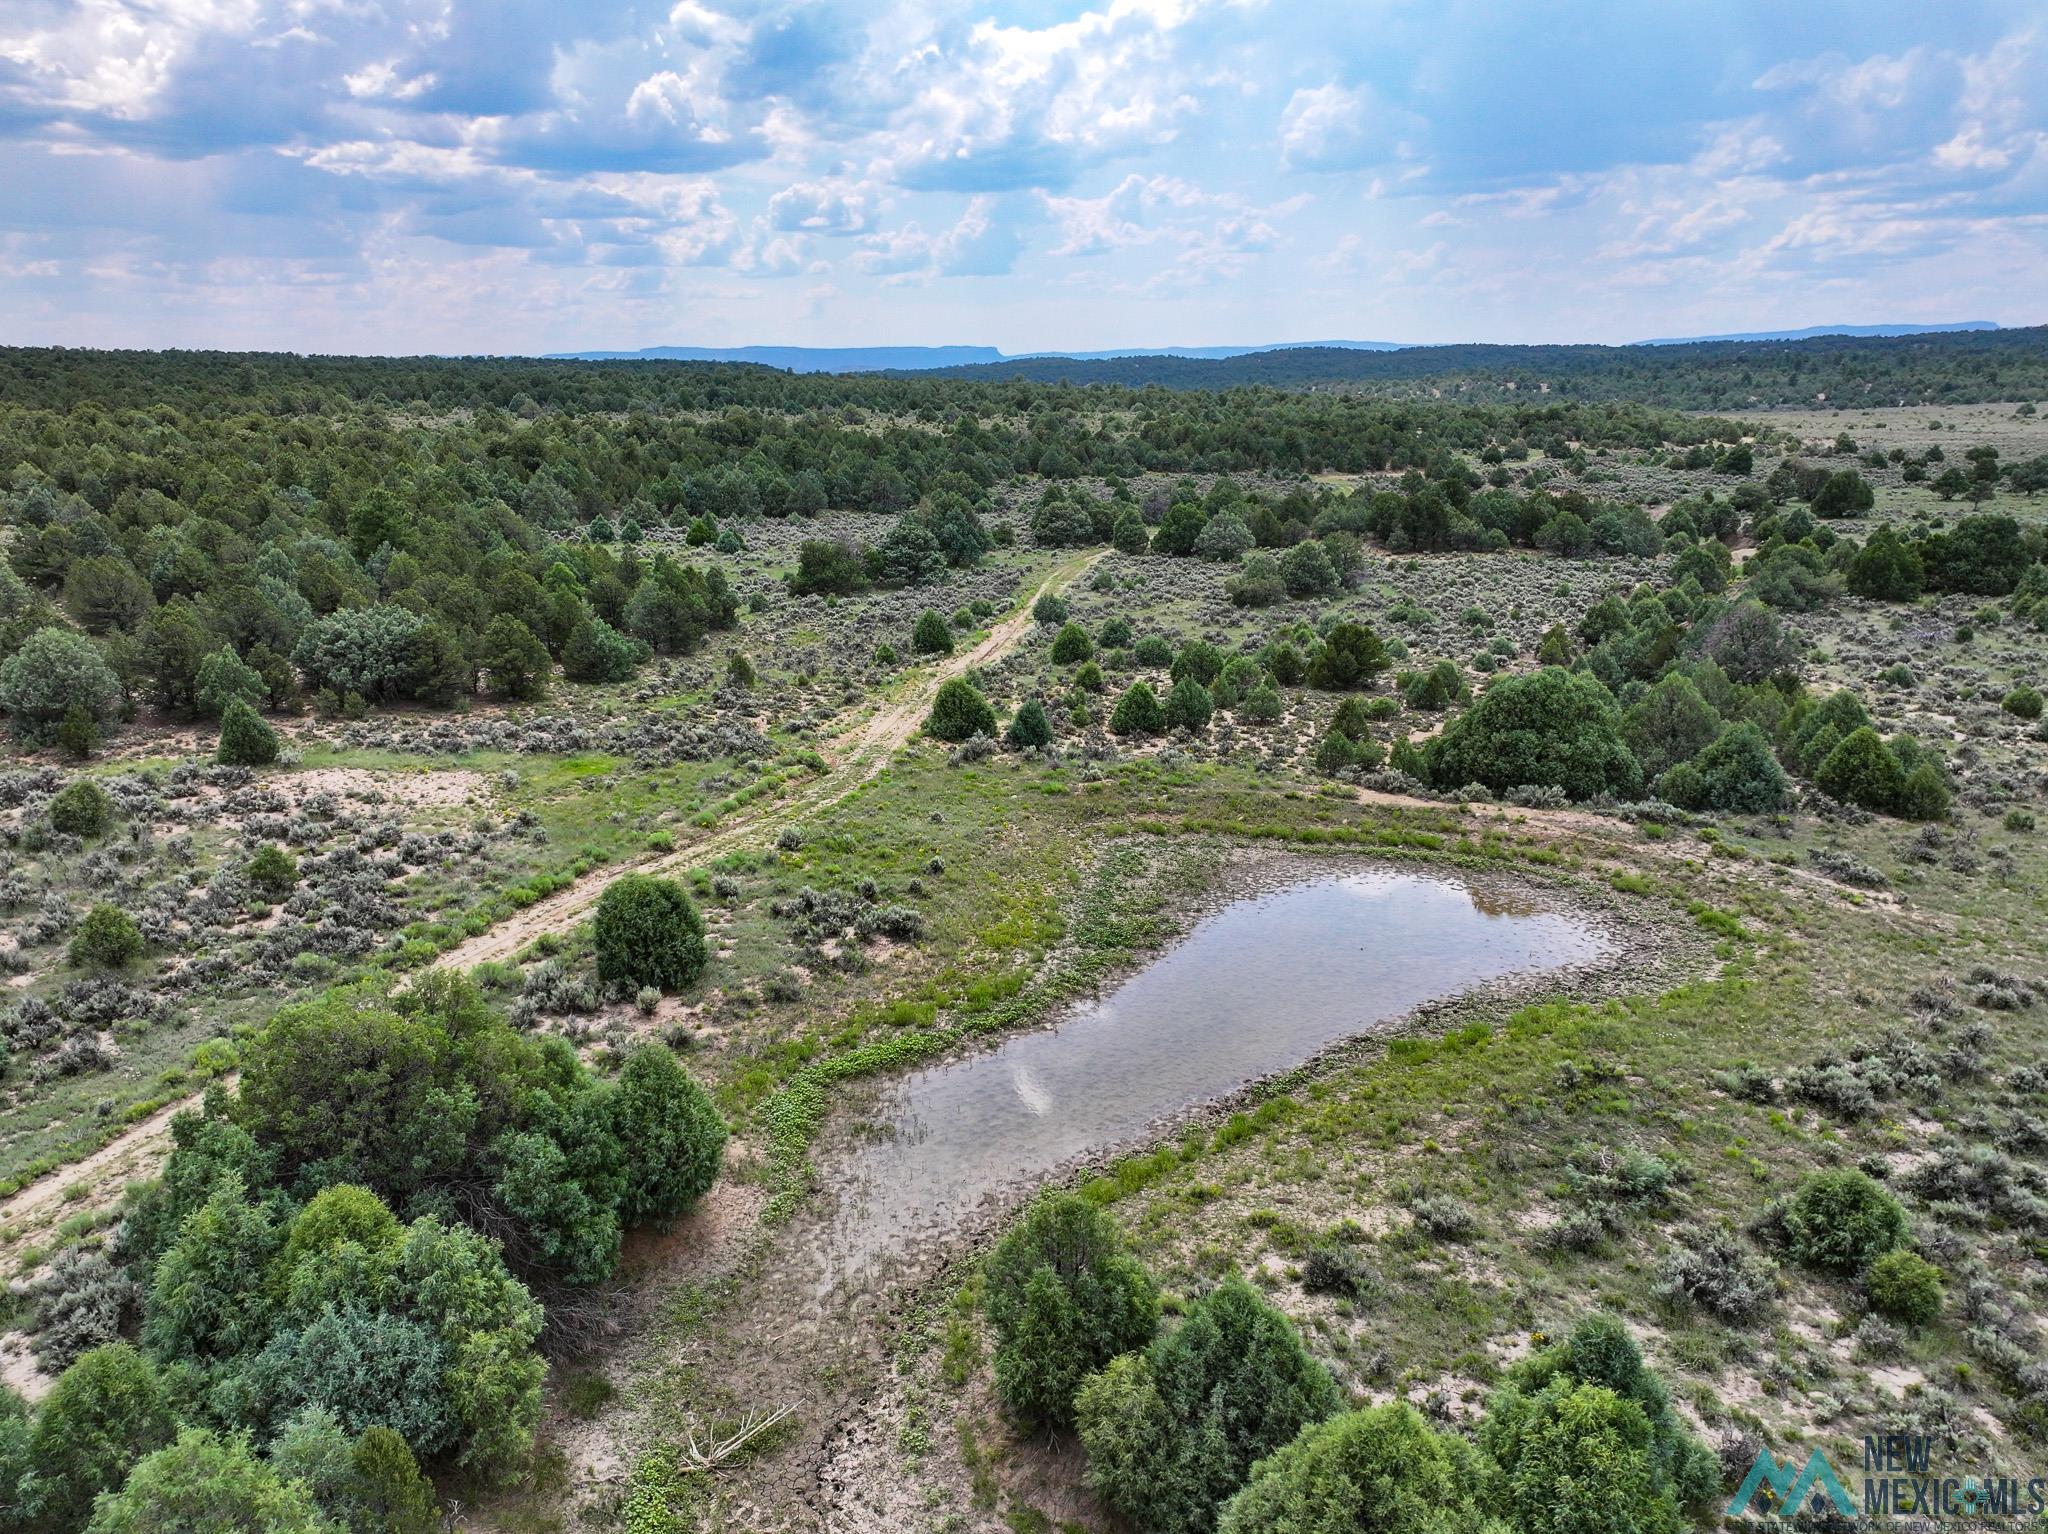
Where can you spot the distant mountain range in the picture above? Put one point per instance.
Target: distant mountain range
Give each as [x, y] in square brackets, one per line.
[918, 359]
[1826, 330]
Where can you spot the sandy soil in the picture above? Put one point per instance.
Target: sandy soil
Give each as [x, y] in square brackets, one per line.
[135, 1153]
[420, 788]
[21, 1371]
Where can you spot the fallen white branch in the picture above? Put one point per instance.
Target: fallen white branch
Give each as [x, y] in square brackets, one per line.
[706, 1456]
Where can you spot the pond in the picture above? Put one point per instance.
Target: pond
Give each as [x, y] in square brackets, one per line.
[1260, 986]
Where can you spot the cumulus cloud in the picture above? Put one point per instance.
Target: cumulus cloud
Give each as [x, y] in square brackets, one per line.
[978, 244]
[822, 207]
[1330, 127]
[1012, 107]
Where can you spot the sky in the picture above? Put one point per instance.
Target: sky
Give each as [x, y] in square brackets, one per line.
[455, 176]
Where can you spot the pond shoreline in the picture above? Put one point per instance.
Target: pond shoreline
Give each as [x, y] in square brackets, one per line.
[1650, 950]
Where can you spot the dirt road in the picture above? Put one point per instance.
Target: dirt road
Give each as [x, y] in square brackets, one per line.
[855, 755]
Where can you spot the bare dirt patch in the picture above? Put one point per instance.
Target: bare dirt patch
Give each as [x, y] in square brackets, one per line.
[416, 788]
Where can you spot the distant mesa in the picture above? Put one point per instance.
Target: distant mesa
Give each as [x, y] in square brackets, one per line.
[921, 359]
[918, 359]
[804, 359]
[1812, 331]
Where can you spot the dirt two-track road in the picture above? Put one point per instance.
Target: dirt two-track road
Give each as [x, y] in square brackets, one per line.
[853, 756]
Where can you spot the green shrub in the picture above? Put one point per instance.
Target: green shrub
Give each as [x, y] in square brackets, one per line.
[1188, 706]
[202, 1482]
[1569, 1448]
[82, 808]
[1840, 1222]
[1337, 751]
[1064, 1297]
[1862, 770]
[1904, 1287]
[1924, 794]
[1350, 658]
[371, 1485]
[54, 672]
[1351, 720]
[1738, 774]
[648, 933]
[1381, 1469]
[1816, 731]
[1263, 704]
[1050, 609]
[371, 1096]
[2023, 702]
[1172, 1432]
[1258, 584]
[1582, 1439]
[1115, 633]
[274, 871]
[1554, 728]
[224, 677]
[1128, 534]
[209, 1298]
[515, 663]
[1436, 689]
[1306, 570]
[597, 652]
[107, 939]
[1669, 724]
[1887, 568]
[828, 568]
[1223, 538]
[246, 738]
[1030, 728]
[1240, 674]
[106, 1412]
[78, 733]
[672, 1136]
[932, 636]
[1072, 646]
[1198, 659]
[1153, 651]
[1137, 712]
[960, 713]
[370, 1367]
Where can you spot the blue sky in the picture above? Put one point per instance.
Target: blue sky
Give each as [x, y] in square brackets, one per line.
[530, 175]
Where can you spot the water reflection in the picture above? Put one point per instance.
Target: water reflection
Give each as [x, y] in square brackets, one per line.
[1260, 986]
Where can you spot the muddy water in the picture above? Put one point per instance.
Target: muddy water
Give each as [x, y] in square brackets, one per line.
[1258, 987]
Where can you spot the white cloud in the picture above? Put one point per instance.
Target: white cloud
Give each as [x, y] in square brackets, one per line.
[382, 80]
[823, 207]
[1328, 128]
[979, 245]
[1017, 106]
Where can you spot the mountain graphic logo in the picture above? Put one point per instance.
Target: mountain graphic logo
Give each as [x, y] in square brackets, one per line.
[1791, 1490]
